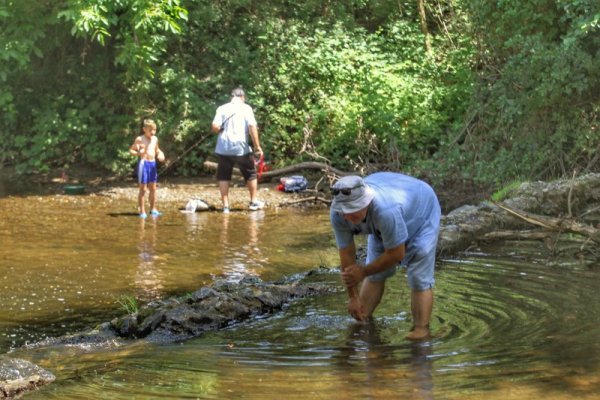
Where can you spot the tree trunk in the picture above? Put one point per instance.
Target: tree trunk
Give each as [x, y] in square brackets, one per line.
[423, 21]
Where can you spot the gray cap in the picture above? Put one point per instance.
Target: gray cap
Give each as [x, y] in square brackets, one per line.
[238, 92]
[360, 195]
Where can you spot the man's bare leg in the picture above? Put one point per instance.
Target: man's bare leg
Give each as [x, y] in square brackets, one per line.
[224, 189]
[252, 189]
[370, 295]
[421, 306]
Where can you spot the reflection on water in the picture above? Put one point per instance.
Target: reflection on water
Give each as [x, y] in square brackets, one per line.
[148, 278]
[67, 260]
[239, 239]
[510, 322]
[367, 350]
[235, 240]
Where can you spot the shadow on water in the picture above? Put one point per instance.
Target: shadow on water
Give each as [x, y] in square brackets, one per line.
[123, 214]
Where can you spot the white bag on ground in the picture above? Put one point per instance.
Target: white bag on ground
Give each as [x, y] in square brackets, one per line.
[194, 205]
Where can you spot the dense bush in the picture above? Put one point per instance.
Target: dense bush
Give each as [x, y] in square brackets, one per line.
[507, 89]
[535, 112]
[373, 98]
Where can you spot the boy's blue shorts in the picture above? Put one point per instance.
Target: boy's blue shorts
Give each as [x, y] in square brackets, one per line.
[147, 172]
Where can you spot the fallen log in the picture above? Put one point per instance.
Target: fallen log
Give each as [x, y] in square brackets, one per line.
[305, 200]
[291, 169]
[469, 224]
[519, 235]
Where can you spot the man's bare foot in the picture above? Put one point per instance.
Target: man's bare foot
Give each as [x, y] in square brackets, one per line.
[419, 333]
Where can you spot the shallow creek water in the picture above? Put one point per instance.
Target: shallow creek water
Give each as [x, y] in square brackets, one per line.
[510, 322]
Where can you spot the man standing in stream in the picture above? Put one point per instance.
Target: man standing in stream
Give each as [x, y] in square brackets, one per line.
[401, 216]
[234, 122]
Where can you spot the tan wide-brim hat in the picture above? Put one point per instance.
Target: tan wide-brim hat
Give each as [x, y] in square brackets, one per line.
[354, 195]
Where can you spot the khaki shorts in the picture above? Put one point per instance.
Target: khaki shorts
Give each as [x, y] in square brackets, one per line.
[419, 267]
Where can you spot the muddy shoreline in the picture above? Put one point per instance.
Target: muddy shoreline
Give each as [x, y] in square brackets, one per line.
[176, 189]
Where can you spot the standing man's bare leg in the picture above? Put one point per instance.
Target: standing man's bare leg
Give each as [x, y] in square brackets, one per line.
[421, 306]
[252, 189]
[224, 189]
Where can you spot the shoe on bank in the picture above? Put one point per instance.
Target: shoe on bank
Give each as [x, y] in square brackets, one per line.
[256, 205]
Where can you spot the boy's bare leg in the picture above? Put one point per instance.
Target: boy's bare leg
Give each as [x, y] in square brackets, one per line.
[224, 189]
[152, 196]
[141, 195]
[421, 306]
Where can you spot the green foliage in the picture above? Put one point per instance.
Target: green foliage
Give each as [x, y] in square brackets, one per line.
[536, 106]
[363, 97]
[23, 25]
[352, 72]
[139, 32]
[71, 100]
[509, 91]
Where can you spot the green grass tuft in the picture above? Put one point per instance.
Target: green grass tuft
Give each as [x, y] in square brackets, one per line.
[129, 304]
[504, 192]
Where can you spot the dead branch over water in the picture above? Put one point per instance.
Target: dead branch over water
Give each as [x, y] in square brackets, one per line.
[553, 224]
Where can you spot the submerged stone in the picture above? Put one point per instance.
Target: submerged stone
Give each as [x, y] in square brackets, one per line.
[211, 308]
[18, 376]
[208, 308]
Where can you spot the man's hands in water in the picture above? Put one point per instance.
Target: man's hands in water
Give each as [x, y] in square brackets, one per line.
[356, 309]
[352, 276]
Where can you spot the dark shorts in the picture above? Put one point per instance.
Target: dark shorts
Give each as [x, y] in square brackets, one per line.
[245, 164]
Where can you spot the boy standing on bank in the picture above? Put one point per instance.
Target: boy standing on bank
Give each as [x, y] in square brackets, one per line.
[146, 148]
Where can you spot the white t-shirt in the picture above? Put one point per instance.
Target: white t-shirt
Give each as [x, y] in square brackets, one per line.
[235, 117]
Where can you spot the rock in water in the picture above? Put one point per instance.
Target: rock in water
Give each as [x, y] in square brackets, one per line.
[18, 376]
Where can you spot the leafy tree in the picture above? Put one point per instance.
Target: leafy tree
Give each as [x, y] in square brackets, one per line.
[501, 90]
[72, 92]
[536, 105]
[369, 98]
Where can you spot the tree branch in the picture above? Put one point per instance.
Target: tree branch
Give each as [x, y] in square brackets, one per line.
[554, 224]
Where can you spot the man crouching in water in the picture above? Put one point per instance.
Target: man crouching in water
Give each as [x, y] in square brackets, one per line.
[401, 216]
